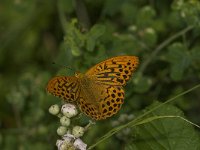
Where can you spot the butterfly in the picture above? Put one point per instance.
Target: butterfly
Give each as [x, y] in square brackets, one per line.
[99, 93]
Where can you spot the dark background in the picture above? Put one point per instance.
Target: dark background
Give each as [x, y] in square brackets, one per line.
[165, 35]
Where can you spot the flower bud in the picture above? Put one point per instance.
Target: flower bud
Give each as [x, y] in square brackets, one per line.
[78, 131]
[54, 109]
[64, 121]
[61, 130]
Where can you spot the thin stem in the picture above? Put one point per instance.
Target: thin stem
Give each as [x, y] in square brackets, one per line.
[89, 125]
[162, 45]
[61, 15]
[82, 14]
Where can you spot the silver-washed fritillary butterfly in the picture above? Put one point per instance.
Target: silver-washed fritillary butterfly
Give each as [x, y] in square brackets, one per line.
[99, 92]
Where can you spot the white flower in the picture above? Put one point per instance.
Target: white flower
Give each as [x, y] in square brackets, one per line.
[68, 137]
[79, 144]
[69, 110]
[69, 142]
[65, 145]
[59, 143]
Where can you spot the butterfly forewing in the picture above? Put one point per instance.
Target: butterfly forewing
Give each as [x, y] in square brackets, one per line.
[66, 88]
[114, 71]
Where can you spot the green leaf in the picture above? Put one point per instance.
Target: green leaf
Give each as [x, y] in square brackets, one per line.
[97, 30]
[74, 38]
[145, 16]
[141, 83]
[179, 58]
[128, 9]
[75, 50]
[164, 133]
[111, 7]
[189, 10]
[93, 35]
[149, 37]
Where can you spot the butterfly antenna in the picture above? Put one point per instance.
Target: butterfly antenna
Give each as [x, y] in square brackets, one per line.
[63, 66]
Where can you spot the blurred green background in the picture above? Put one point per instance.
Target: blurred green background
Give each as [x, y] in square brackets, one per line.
[165, 35]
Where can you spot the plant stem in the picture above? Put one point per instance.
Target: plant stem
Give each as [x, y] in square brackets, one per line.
[61, 16]
[82, 14]
[162, 45]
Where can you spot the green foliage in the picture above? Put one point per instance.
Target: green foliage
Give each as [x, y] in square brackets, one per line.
[164, 133]
[163, 34]
[93, 35]
[78, 42]
[189, 10]
[142, 83]
[178, 56]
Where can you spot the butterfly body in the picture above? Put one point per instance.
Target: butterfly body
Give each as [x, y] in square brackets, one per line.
[99, 92]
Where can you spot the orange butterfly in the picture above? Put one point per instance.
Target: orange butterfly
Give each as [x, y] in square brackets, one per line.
[99, 92]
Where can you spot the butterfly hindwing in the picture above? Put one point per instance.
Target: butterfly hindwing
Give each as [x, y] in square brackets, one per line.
[109, 102]
[66, 88]
[114, 71]
[113, 101]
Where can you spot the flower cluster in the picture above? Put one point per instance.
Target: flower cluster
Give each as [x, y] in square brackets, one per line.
[70, 134]
[70, 142]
